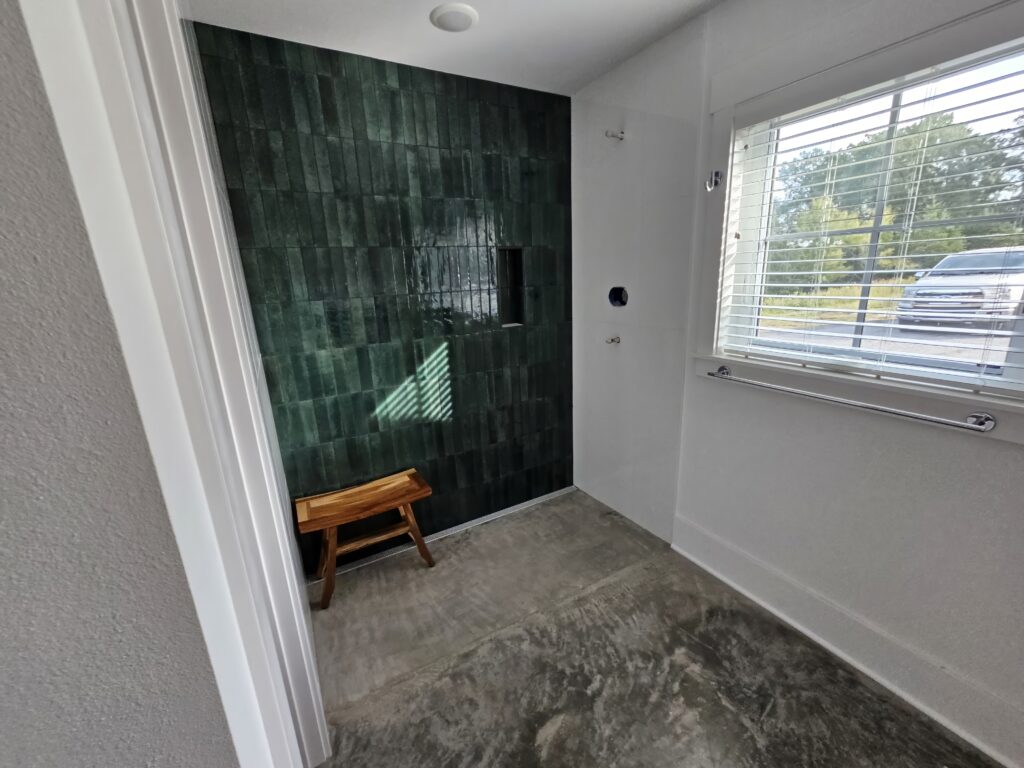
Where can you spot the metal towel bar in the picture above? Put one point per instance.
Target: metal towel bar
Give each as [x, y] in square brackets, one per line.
[978, 421]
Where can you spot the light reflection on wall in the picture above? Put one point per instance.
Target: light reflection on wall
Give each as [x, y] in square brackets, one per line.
[424, 396]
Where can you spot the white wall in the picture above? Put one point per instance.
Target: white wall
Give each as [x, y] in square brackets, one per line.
[899, 545]
[631, 226]
[103, 659]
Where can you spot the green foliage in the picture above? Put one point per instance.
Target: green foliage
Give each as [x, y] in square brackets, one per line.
[937, 171]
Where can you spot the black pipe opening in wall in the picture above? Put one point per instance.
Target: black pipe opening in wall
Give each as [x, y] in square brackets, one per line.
[370, 200]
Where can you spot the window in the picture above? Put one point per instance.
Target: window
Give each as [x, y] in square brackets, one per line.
[884, 231]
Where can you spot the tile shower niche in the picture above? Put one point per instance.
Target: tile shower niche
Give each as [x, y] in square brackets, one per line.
[404, 237]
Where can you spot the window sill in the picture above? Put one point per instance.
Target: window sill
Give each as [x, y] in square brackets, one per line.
[885, 393]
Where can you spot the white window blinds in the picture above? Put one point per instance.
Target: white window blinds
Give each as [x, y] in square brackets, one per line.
[884, 231]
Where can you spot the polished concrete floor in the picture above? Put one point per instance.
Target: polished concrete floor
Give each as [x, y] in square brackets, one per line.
[565, 636]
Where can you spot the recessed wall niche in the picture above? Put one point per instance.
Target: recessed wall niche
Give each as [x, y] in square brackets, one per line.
[511, 286]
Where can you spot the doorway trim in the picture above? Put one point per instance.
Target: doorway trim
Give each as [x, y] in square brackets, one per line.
[119, 76]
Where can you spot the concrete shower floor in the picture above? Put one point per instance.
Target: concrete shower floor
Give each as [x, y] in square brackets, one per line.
[564, 635]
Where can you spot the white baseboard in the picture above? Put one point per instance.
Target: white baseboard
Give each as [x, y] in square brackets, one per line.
[975, 714]
[451, 531]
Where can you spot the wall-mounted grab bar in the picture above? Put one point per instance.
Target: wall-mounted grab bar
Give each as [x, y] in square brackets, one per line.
[978, 421]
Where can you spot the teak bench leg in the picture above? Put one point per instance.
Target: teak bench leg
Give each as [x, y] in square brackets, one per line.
[414, 531]
[328, 565]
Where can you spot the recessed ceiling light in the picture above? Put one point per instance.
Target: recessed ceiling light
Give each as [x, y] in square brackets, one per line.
[454, 17]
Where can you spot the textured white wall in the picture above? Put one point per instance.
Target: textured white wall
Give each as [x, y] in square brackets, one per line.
[897, 544]
[103, 661]
[631, 226]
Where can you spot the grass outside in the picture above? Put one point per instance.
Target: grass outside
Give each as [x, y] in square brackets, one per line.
[786, 312]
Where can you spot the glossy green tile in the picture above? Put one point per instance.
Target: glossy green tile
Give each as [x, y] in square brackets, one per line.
[317, 221]
[317, 119]
[307, 157]
[297, 97]
[250, 91]
[215, 88]
[357, 113]
[272, 218]
[321, 157]
[367, 198]
[266, 77]
[293, 160]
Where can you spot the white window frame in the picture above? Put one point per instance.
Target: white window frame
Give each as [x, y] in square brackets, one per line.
[942, 372]
[921, 393]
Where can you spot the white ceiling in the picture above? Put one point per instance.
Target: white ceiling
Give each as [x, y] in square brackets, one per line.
[550, 45]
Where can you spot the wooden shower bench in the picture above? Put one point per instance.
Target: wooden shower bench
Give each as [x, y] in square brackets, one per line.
[326, 511]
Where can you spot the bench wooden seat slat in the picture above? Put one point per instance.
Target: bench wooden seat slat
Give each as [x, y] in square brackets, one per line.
[314, 513]
[326, 511]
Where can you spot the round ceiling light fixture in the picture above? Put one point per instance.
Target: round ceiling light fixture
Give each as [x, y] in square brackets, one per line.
[454, 17]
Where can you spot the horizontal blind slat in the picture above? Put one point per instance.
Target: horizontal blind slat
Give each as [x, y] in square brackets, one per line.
[900, 204]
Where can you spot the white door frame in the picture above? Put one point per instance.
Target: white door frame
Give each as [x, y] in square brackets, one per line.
[118, 74]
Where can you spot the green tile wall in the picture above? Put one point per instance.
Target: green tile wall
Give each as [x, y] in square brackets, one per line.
[368, 200]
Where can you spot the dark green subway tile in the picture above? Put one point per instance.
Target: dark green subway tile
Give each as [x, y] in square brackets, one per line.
[272, 218]
[357, 326]
[207, 41]
[240, 217]
[351, 167]
[348, 221]
[229, 159]
[395, 116]
[231, 80]
[279, 89]
[293, 160]
[423, 80]
[413, 168]
[313, 323]
[369, 218]
[310, 468]
[336, 165]
[418, 108]
[308, 58]
[321, 159]
[376, 157]
[364, 168]
[303, 422]
[303, 229]
[317, 223]
[274, 49]
[385, 120]
[332, 474]
[382, 456]
[316, 111]
[346, 365]
[356, 112]
[367, 198]
[339, 88]
[371, 111]
[308, 161]
[250, 90]
[267, 79]
[329, 105]
[286, 214]
[332, 221]
[247, 164]
[220, 108]
[297, 97]
[320, 369]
